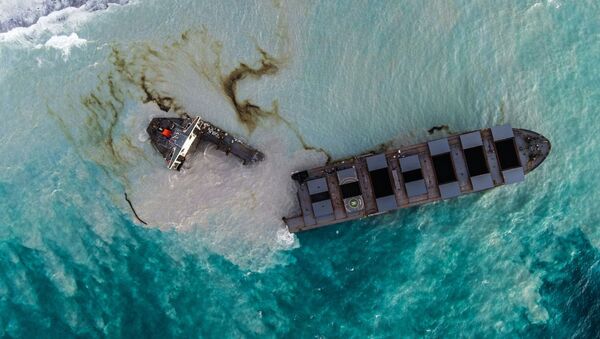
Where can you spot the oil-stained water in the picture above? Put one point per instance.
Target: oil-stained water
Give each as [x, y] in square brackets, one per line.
[305, 83]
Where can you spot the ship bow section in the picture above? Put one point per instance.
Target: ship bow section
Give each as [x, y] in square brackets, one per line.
[534, 147]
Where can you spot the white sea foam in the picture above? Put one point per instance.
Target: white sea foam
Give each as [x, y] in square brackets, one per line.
[57, 23]
[24, 13]
[250, 233]
[63, 20]
[237, 209]
[65, 43]
[215, 201]
[358, 77]
[554, 3]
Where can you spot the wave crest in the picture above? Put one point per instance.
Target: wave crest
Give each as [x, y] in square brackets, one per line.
[19, 13]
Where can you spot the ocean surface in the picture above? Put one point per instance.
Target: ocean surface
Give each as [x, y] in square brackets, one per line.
[80, 80]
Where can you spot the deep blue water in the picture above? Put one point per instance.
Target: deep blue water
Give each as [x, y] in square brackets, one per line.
[215, 261]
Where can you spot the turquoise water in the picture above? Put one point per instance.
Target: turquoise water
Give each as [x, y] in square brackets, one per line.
[215, 259]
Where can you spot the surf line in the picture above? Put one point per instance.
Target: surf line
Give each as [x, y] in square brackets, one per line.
[133, 210]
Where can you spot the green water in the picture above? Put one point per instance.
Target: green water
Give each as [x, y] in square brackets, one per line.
[215, 259]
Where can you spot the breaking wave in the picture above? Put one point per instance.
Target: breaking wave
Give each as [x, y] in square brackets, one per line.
[518, 261]
[24, 13]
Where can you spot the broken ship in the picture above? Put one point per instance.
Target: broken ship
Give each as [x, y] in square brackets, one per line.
[373, 184]
[176, 138]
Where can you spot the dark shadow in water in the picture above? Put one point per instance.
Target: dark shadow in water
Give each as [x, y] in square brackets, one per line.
[571, 284]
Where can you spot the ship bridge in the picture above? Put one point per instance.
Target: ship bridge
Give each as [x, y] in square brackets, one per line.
[175, 138]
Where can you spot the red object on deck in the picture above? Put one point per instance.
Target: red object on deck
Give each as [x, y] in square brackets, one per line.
[166, 133]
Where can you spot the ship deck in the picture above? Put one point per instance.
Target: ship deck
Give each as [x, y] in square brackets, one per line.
[530, 150]
[188, 132]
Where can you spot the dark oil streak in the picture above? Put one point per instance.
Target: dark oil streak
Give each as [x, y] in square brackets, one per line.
[305, 145]
[438, 128]
[103, 110]
[133, 209]
[104, 106]
[165, 103]
[247, 112]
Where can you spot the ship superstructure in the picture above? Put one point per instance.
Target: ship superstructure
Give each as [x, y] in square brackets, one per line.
[175, 138]
[440, 169]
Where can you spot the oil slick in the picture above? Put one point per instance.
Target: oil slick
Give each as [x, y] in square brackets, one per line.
[133, 209]
[144, 70]
[103, 127]
[247, 112]
[188, 76]
[129, 70]
[434, 129]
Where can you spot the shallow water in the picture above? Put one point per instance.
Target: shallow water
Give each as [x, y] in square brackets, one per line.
[80, 85]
